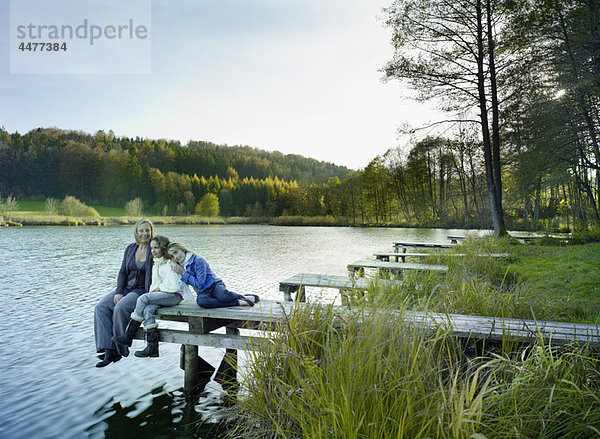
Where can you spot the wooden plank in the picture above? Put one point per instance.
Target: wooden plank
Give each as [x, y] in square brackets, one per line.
[263, 311]
[455, 239]
[224, 341]
[394, 266]
[480, 327]
[271, 312]
[404, 246]
[302, 280]
[388, 255]
[436, 245]
[494, 328]
[526, 239]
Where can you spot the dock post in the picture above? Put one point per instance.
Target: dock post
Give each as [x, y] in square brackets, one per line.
[301, 295]
[226, 375]
[194, 367]
[190, 380]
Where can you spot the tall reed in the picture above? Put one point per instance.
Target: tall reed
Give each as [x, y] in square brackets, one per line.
[367, 373]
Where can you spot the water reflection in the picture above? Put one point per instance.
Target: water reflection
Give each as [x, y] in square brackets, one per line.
[157, 414]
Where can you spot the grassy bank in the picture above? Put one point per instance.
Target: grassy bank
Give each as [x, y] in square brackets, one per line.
[535, 281]
[327, 376]
[34, 213]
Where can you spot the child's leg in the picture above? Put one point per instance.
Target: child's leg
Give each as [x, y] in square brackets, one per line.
[218, 296]
[221, 293]
[207, 301]
[154, 301]
[138, 312]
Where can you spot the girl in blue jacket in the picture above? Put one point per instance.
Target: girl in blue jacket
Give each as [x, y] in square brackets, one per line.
[195, 271]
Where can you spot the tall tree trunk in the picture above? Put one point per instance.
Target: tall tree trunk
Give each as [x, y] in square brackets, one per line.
[496, 164]
[497, 220]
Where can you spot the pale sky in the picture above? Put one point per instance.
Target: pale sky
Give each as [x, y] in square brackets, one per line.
[296, 76]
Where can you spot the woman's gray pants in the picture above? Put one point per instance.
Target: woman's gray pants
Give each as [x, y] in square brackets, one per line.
[111, 320]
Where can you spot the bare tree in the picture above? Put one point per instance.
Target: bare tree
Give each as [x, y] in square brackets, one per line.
[446, 50]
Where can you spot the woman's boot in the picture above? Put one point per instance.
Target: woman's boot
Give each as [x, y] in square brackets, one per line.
[110, 356]
[152, 347]
[130, 330]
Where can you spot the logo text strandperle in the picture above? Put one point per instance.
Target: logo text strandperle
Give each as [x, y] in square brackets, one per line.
[83, 31]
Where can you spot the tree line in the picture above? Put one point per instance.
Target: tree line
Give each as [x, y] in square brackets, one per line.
[518, 79]
[168, 177]
[525, 74]
[437, 181]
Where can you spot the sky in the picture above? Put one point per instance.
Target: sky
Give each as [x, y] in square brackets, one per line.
[295, 76]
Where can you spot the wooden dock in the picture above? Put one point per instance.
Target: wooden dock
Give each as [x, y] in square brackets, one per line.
[404, 246]
[526, 239]
[455, 239]
[386, 256]
[297, 283]
[393, 267]
[268, 314]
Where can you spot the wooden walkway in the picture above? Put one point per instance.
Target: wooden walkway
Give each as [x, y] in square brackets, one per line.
[394, 267]
[298, 282]
[268, 314]
[422, 246]
[386, 256]
[526, 239]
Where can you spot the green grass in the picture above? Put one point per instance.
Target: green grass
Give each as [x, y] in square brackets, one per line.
[333, 376]
[39, 208]
[559, 283]
[32, 207]
[372, 375]
[109, 211]
[564, 282]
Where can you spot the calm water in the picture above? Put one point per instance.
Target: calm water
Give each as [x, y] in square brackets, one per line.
[51, 278]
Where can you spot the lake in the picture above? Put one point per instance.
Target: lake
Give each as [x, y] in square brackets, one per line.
[51, 279]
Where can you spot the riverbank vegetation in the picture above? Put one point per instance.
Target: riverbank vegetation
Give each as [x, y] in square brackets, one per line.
[372, 374]
[535, 281]
[437, 182]
[330, 376]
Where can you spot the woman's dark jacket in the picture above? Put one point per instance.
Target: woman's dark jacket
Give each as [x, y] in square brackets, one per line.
[125, 272]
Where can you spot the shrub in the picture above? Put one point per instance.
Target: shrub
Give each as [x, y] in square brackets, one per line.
[90, 212]
[208, 206]
[52, 205]
[71, 206]
[134, 207]
[10, 205]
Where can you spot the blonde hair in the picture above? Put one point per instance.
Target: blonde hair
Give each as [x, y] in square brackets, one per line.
[138, 224]
[178, 246]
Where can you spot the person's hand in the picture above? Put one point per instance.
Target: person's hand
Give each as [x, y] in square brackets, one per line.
[117, 298]
[177, 268]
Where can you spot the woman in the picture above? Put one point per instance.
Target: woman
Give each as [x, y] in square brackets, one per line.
[112, 313]
[195, 271]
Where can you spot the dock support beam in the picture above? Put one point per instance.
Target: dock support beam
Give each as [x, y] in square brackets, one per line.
[196, 369]
[226, 375]
[190, 379]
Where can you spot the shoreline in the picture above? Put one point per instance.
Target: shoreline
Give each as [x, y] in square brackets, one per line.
[29, 220]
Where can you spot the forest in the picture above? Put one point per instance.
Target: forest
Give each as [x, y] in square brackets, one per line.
[519, 81]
